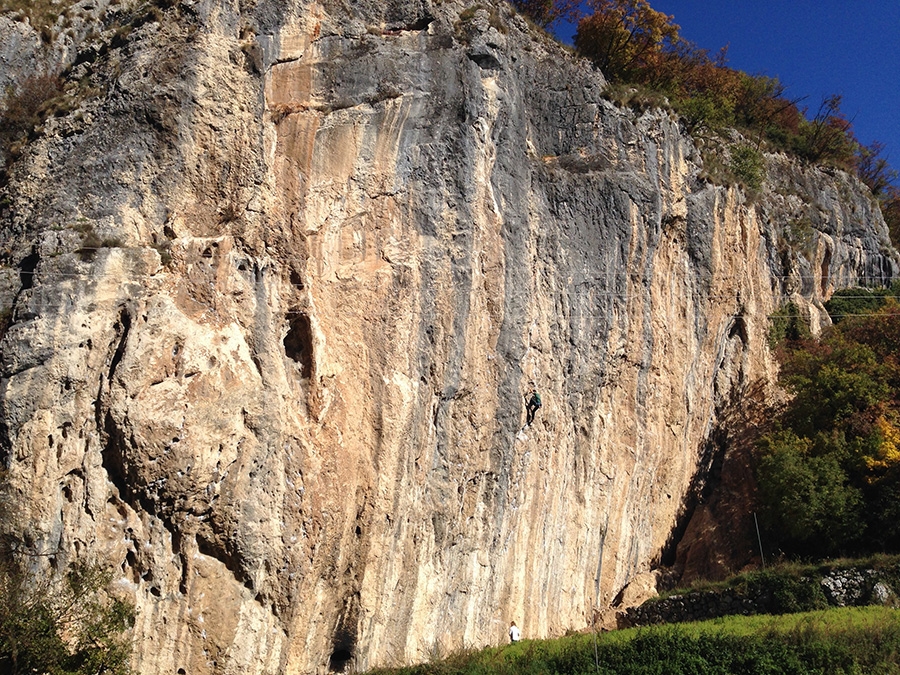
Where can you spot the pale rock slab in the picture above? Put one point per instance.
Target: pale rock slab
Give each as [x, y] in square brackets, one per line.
[282, 397]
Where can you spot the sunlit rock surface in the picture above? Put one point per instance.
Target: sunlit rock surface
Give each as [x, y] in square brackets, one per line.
[280, 282]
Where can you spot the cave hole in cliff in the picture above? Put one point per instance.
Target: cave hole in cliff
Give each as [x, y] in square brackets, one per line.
[485, 61]
[340, 658]
[343, 642]
[130, 564]
[421, 23]
[298, 342]
[26, 270]
[739, 329]
[826, 267]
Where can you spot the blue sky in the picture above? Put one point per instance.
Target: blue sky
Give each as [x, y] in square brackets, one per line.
[815, 48]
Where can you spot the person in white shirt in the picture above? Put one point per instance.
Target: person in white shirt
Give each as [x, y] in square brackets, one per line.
[514, 634]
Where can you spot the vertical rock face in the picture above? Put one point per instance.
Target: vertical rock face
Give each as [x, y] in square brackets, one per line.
[283, 282]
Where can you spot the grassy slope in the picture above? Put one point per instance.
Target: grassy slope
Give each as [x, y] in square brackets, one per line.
[846, 640]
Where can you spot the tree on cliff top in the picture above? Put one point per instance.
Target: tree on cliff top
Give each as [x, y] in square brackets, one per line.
[890, 207]
[545, 13]
[640, 48]
[624, 37]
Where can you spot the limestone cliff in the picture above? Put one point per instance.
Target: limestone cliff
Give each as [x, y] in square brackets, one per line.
[280, 279]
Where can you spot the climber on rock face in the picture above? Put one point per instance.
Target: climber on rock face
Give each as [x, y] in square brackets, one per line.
[533, 402]
[514, 633]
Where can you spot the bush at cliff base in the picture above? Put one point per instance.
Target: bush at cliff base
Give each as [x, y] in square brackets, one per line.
[66, 626]
[829, 475]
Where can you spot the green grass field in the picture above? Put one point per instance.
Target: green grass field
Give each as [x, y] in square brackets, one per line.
[847, 640]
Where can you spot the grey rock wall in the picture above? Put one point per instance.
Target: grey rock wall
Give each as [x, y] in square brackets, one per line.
[279, 287]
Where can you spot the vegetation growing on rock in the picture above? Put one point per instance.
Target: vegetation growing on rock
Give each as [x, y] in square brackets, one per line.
[41, 14]
[639, 50]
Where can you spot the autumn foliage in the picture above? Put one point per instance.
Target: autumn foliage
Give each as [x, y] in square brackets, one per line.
[640, 48]
[829, 478]
[632, 43]
[625, 38]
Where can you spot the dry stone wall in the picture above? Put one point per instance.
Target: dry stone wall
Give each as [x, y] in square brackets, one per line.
[771, 594]
[279, 285]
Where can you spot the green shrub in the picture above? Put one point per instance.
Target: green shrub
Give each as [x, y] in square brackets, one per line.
[748, 165]
[65, 626]
[809, 506]
[705, 112]
[786, 325]
[789, 592]
[859, 301]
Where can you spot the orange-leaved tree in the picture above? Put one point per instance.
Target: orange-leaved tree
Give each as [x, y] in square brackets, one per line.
[624, 37]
